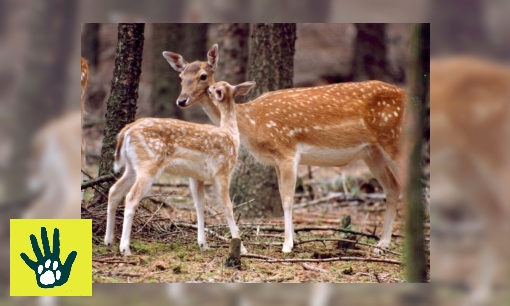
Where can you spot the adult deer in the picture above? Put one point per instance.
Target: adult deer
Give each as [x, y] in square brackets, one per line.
[202, 152]
[329, 125]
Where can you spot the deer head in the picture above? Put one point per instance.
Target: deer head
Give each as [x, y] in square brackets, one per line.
[222, 93]
[195, 77]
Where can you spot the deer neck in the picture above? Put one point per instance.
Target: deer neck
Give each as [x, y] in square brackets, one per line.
[228, 121]
[241, 120]
[211, 110]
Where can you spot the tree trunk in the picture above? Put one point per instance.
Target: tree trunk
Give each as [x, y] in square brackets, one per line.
[271, 65]
[121, 105]
[369, 62]
[90, 43]
[165, 81]
[416, 258]
[232, 39]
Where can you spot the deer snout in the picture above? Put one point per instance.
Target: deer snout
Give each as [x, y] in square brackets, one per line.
[183, 102]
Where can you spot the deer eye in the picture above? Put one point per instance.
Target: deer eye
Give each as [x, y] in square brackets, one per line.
[203, 77]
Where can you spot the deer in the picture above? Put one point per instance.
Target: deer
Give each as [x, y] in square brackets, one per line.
[149, 146]
[330, 125]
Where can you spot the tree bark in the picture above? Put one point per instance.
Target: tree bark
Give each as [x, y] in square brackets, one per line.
[90, 43]
[369, 62]
[271, 65]
[232, 40]
[165, 81]
[416, 258]
[121, 105]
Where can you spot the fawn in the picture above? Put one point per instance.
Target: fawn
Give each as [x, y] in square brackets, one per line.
[202, 152]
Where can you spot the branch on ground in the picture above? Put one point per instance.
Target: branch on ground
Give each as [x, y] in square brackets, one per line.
[350, 258]
[311, 228]
[98, 180]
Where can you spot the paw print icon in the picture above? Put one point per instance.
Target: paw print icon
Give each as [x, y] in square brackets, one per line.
[49, 270]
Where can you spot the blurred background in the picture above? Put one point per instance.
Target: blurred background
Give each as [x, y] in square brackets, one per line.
[40, 49]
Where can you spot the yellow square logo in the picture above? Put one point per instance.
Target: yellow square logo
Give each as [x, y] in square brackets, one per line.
[51, 257]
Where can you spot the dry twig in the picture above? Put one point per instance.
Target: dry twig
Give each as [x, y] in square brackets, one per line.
[345, 240]
[98, 180]
[368, 259]
[342, 197]
[311, 228]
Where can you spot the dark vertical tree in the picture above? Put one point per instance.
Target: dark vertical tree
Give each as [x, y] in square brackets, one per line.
[369, 56]
[121, 104]
[165, 81]
[271, 65]
[232, 39]
[416, 258]
[90, 43]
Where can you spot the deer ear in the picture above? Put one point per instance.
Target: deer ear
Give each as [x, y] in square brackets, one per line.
[218, 94]
[243, 88]
[212, 57]
[175, 60]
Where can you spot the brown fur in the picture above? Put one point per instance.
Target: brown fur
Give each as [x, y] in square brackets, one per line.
[330, 125]
[148, 146]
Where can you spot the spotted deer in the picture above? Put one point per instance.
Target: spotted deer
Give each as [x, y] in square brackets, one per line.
[329, 125]
[149, 146]
[84, 81]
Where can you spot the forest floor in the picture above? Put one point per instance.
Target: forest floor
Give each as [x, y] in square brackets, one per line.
[165, 249]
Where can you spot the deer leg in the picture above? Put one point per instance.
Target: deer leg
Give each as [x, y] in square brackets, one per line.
[382, 171]
[221, 187]
[286, 172]
[138, 191]
[117, 191]
[198, 192]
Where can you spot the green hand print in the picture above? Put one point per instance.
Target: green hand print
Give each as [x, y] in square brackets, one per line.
[49, 271]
